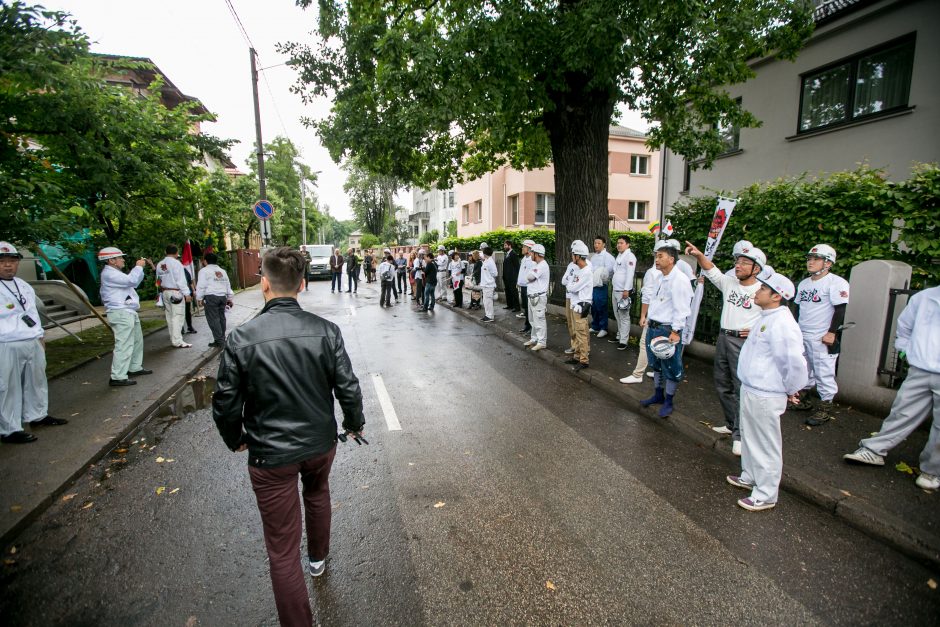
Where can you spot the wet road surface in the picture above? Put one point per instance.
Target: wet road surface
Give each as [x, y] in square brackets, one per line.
[514, 493]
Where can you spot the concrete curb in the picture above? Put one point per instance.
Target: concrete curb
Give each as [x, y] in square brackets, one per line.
[874, 521]
[78, 365]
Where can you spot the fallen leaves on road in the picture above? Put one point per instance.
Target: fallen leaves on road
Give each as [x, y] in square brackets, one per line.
[192, 621]
[15, 508]
[160, 460]
[87, 505]
[69, 497]
[161, 489]
[549, 585]
[902, 467]
[174, 490]
[75, 414]
[846, 492]
[12, 550]
[120, 451]
[9, 562]
[706, 423]
[931, 584]
[439, 504]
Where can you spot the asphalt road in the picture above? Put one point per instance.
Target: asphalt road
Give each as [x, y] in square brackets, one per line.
[514, 493]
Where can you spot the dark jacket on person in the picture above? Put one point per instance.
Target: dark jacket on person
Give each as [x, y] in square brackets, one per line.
[430, 273]
[477, 270]
[277, 379]
[510, 267]
[352, 263]
[336, 262]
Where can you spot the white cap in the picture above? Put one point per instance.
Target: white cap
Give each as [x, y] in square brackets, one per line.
[484, 245]
[441, 247]
[777, 282]
[824, 251]
[528, 243]
[753, 253]
[9, 250]
[109, 252]
[538, 249]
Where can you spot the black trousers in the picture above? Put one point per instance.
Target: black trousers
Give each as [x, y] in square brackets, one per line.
[419, 290]
[385, 298]
[215, 316]
[512, 294]
[403, 282]
[352, 280]
[458, 295]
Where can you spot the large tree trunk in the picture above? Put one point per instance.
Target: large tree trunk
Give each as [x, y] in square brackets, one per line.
[579, 129]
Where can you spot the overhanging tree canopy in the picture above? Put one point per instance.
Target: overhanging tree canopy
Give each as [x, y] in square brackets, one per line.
[436, 91]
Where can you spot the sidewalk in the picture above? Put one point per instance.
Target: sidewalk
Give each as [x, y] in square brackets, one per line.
[99, 417]
[882, 502]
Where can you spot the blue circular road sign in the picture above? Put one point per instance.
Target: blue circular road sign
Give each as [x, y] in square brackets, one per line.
[263, 209]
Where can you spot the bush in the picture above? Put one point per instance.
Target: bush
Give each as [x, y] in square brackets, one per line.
[641, 243]
[859, 213]
[368, 240]
[429, 237]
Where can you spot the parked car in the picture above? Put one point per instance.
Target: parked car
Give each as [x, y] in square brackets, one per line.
[319, 255]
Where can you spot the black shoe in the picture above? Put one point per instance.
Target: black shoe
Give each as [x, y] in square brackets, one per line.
[621, 347]
[524, 330]
[211, 345]
[613, 340]
[18, 437]
[572, 360]
[486, 319]
[192, 330]
[140, 372]
[117, 383]
[580, 366]
[507, 307]
[50, 421]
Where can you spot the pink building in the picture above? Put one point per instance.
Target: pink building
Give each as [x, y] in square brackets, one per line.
[510, 199]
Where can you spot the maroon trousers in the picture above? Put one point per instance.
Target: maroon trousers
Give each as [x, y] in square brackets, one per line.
[279, 504]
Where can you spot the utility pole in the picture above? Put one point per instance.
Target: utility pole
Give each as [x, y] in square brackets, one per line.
[303, 211]
[262, 190]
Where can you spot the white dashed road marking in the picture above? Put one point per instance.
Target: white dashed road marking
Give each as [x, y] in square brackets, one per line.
[391, 418]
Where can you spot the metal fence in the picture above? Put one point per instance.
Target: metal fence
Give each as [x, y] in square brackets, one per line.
[888, 362]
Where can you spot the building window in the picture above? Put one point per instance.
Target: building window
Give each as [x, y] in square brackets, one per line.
[450, 198]
[514, 210]
[636, 210]
[730, 135]
[478, 205]
[466, 214]
[871, 83]
[640, 165]
[686, 176]
[545, 208]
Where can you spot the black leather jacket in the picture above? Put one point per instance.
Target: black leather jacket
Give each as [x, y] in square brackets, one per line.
[276, 382]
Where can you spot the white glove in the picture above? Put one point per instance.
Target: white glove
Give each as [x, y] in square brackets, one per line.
[576, 307]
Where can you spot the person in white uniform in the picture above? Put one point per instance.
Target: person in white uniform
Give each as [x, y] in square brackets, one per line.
[525, 264]
[488, 274]
[622, 285]
[120, 300]
[739, 313]
[214, 293]
[603, 265]
[24, 391]
[667, 315]
[771, 369]
[579, 294]
[441, 291]
[918, 341]
[175, 293]
[536, 292]
[821, 298]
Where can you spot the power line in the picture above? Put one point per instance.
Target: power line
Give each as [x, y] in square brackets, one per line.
[238, 22]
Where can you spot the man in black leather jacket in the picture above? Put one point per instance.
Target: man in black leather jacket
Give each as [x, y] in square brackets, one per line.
[274, 397]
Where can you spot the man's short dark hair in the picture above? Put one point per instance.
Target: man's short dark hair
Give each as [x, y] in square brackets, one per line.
[283, 267]
[669, 250]
[211, 258]
[508, 241]
[625, 238]
[171, 249]
[602, 238]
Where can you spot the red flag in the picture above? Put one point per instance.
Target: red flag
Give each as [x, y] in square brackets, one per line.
[187, 259]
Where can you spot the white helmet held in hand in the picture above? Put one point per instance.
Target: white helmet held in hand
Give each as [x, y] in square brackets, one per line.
[109, 252]
[623, 304]
[579, 248]
[662, 348]
[823, 251]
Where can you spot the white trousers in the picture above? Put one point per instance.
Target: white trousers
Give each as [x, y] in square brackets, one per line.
[642, 360]
[918, 397]
[822, 368]
[623, 318]
[440, 290]
[488, 294]
[537, 319]
[175, 317]
[762, 444]
[24, 391]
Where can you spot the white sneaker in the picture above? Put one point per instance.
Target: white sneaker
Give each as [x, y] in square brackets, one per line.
[632, 379]
[928, 481]
[316, 568]
[521, 314]
[865, 456]
[592, 331]
[723, 430]
[602, 333]
[651, 374]
[569, 351]
[529, 343]
[184, 345]
[539, 347]
[736, 447]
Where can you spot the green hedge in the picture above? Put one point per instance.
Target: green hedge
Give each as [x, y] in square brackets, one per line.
[641, 243]
[859, 213]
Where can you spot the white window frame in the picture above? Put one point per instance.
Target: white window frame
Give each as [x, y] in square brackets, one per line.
[645, 159]
[478, 205]
[514, 210]
[635, 204]
[465, 214]
[543, 198]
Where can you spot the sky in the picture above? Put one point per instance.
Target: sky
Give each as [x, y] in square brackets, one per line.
[199, 47]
